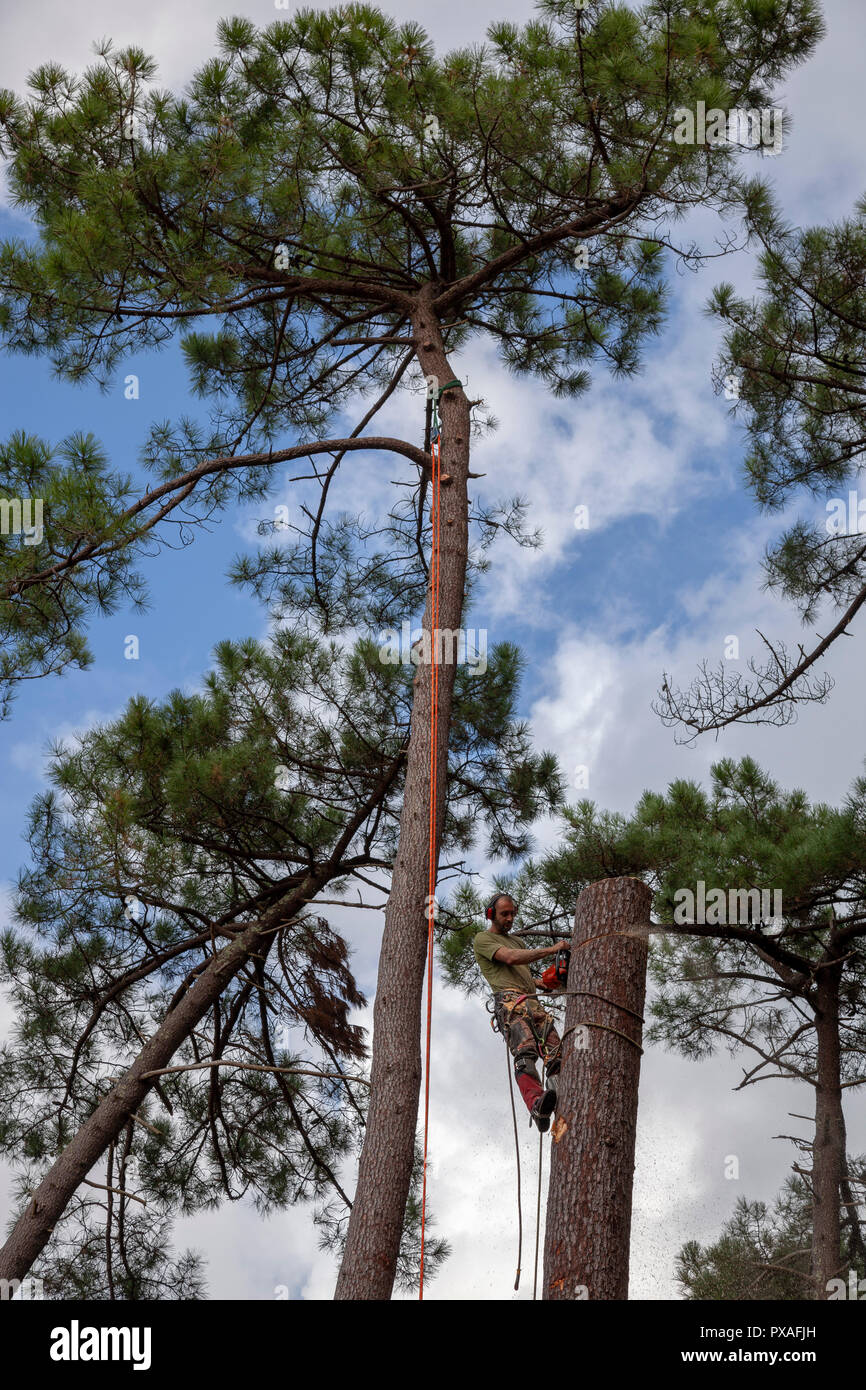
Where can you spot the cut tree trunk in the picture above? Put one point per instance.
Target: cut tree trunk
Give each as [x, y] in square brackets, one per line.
[586, 1249]
[375, 1227]
[828, 1151]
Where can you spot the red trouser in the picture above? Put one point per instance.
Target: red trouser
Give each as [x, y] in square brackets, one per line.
[530, 1034]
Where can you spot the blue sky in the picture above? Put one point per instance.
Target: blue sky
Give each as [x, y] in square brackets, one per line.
[669, 567]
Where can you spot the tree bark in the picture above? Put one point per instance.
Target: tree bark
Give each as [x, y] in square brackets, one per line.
[828, 1151]
[376, 1224]
[586, 1249]
[32, 1231]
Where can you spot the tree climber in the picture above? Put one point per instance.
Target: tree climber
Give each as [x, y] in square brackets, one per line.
[527, 1029]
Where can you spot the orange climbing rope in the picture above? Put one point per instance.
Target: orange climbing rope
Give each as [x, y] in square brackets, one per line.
[436, 470]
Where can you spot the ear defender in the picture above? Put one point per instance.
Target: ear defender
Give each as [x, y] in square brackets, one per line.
[491, 906]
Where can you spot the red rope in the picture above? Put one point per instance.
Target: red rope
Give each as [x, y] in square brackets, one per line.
[436, 459]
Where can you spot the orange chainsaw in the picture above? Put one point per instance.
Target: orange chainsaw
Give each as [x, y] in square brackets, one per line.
[556, 975]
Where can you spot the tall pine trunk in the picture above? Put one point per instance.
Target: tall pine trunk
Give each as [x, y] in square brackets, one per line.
[828, 1151]
[586, 1248]
[32, 1231]
[376, 1223]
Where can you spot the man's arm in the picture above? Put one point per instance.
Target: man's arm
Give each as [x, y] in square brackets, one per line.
[509, 956]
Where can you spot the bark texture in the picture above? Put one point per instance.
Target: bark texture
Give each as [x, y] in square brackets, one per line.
[828, 1152]
[586, 1249]
[376, 1224]
[32, 1231]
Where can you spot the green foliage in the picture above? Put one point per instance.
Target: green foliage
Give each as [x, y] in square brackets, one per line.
[744, 982]
[462, 917]
[762, 1252]
[750, 977]
[109, 1246]
[299, 135]
[70, 502]
[456, 924]
[744, 834]
[205, 809]
[298, 199]
[797, 352]
[163, 833]
[333, 1223]
[285, 213]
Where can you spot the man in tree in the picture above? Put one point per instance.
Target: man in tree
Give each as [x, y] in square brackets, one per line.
[790, 990]
[216, 817]
[527, 1029]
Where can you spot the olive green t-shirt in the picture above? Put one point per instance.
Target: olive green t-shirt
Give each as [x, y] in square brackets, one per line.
[497, 974]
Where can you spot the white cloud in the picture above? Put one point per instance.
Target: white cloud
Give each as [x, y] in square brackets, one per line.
[33, 757]
[598, 706]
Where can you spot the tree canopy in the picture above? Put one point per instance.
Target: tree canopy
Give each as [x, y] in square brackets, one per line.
[797, 353]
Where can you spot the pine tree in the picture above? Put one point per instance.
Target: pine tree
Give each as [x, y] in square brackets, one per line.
[763, 1252]
[797, 353]
[344, 206]
[70, 505]
[223, 1070]
[789, 990]
[788, 987]
[113, 1245]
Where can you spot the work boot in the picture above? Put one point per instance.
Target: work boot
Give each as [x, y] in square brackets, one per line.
[542, 1109]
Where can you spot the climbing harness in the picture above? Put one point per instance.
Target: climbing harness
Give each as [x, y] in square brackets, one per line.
[512, 1002]
[588, 1022]
[436, 474]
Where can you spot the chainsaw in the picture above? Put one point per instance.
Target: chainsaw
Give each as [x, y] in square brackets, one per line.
[556, 975]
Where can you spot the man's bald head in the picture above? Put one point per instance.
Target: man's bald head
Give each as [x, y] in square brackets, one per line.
[504, 911]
